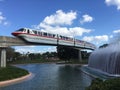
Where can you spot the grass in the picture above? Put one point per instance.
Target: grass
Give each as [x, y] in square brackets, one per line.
[11, 72]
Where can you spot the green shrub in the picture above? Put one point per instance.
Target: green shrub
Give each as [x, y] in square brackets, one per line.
[95, 84]
[109, 84]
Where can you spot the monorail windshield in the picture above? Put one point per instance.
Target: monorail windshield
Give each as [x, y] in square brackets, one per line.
[21, 29]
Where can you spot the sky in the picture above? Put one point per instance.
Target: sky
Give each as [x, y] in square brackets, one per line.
[95, 21]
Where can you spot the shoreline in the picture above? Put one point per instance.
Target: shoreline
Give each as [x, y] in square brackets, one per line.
[59, 63]
[16, 80]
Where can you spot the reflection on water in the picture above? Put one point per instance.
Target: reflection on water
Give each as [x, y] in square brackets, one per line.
[52, 77]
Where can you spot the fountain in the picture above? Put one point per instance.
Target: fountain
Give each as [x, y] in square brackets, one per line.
[106, 60]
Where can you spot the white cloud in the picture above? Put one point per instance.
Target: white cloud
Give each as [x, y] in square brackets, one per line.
[111, 36]
[116, 31]
[58, 24]
[79, 31]
[6, 23]
[86, 18]
[113, 2]
[3, 20]
[115, 37]
[97, 39]
[60, 18]
[75, 31]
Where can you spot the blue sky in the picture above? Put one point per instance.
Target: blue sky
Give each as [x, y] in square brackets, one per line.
[96, 21]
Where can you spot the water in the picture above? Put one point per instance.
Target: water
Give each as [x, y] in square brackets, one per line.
[52, 77]
[106, 60]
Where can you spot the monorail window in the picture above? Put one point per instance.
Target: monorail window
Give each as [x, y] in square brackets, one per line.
[28, 31]
[61, 37]
[54, 35]
[45, 34]
[49, 35]
[35, 32]
[40, 33]
[68, 38]
[21, 29]
[64, 37]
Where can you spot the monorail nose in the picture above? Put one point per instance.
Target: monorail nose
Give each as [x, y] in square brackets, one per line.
[14, 33]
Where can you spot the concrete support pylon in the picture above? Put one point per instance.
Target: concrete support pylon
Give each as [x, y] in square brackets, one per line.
[79, 55]
[3, 57]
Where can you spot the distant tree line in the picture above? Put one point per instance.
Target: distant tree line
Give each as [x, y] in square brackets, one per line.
[46, 55]
[63, 53]
[69, 53]
[12, 55]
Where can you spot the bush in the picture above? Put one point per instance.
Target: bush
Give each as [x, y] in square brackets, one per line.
[109, 84]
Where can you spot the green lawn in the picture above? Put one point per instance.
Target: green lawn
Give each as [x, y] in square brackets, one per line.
[11, 72]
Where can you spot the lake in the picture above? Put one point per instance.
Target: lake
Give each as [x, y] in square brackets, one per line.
[52, 77]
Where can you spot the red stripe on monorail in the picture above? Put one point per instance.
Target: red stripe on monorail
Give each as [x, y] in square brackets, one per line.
[18, 33]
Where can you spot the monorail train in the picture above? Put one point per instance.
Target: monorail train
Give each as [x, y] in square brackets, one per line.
[36, 36]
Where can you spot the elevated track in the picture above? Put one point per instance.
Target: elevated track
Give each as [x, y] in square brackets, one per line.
[7, 41]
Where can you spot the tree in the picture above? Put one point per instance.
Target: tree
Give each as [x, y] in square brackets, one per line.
[33, 56]
[11, 54]
[63, 53]
[104, 45]
[67, 53]
[48, 55]
[17, 56]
